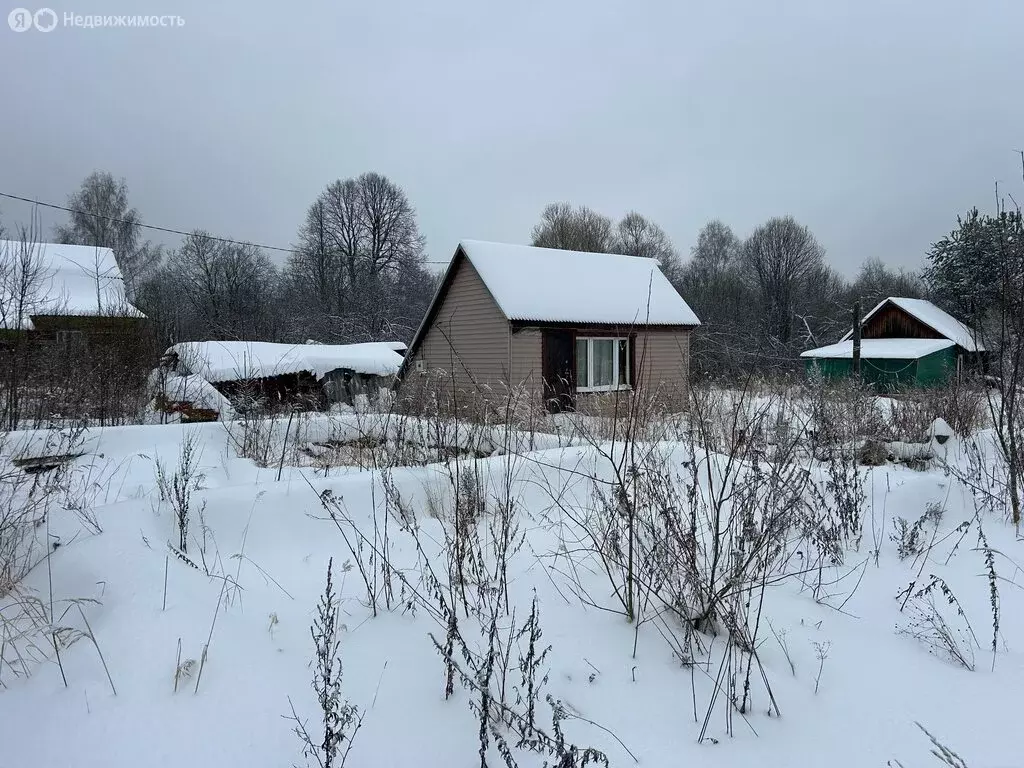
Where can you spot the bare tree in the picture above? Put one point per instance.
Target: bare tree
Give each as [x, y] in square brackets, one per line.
[228, 287]
[782, 257]
[821, 308]
[161, 298]
[101, 217]
[360, 242]
[639, 236]
[574, 229]
[876, 281]
[714, 285]
[717, 248]
[24, 285]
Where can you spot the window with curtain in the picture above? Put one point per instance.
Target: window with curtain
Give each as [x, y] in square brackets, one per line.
[602, 364]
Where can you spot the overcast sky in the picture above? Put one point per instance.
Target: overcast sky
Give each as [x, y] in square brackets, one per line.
[874, 122]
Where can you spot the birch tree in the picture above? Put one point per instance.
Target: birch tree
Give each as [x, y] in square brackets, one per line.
[101, 216]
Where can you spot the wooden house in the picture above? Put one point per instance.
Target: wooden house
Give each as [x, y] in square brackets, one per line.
[64, 295]
[904, 343]
[554, 326]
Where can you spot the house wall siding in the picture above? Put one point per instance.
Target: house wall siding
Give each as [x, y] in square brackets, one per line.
[468, 342]
[936, 368]
[663, 362]
[526, 363]
[890, 375]
[470, 347]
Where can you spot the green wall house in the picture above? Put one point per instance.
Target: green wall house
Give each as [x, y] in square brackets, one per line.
[905, 343]
[889, 364]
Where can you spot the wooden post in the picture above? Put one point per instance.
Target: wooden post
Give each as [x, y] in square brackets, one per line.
[856, 338]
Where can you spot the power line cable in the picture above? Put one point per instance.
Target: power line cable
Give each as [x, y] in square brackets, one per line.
[168, 230]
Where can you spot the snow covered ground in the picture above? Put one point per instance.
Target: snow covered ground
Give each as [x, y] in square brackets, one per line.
[848, 684]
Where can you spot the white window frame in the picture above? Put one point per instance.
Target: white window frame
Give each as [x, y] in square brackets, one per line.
[615, 363]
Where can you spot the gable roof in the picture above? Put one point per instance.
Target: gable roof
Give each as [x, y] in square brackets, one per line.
[59, 280]
[882, 349]
[938, 320]
[555, 286]
[548, 285]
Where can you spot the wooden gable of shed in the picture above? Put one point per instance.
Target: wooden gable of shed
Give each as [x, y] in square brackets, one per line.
[894, 322]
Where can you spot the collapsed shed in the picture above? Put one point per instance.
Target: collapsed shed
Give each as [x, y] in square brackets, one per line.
[270, 376]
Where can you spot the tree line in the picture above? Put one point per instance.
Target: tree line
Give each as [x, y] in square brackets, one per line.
[761, 299]
[357, 271]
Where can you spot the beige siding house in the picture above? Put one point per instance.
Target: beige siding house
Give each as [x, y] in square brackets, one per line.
[552, 326]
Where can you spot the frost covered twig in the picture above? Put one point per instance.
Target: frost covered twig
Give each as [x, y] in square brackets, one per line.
[340, 721]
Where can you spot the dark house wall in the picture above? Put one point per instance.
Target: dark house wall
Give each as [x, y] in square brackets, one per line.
[75, 367]
[273, 394]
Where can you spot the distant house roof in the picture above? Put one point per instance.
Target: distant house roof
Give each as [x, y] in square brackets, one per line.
[555, 286]
[59, 280]
[938, 320]
[882, 349]
[218, 361]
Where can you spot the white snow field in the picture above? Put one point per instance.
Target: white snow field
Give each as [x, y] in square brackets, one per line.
[848, 686]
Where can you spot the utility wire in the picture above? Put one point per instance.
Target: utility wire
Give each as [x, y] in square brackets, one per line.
[162, 229]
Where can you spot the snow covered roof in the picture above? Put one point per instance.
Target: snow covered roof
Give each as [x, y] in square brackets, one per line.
[59, 280]
[239, 360]
[936, 319]
[550, 285]
[881, 349]
[191, 389]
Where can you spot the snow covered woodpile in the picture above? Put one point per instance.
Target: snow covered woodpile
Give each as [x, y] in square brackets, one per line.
[187, 398]
[308, 375]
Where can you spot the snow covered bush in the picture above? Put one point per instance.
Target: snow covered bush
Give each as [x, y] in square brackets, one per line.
[986, 473]
[33, 487]
[484, 671]
[688, 536]
[961, 402]
[21, 516]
